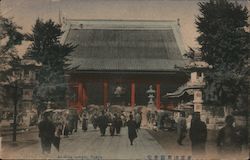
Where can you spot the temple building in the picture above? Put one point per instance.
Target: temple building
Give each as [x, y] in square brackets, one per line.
[116, 61]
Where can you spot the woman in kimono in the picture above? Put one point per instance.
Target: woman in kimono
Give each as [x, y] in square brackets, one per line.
[84, 122]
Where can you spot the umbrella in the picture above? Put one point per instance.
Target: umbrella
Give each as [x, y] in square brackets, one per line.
[116, 108]
[58, 110]
[48, 110]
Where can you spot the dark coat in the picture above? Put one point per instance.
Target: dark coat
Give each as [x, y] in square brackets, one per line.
[118, 122]
[229, 139]
[102, 121]
[71, 123]
[46, 129]
[132, 129]
[198, 132]
[85, 124]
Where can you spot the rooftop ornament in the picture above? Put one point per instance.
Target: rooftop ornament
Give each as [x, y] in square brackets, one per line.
[198, 63]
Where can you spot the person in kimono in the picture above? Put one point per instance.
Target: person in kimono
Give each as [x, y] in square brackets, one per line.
[102, 123]
[46, 133]
[181, 128]
[198, 135]
[132, 128]
[118, 123]
[84, 122]
[229, 139]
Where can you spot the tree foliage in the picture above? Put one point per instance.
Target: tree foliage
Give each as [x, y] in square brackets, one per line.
[47, 50]
[225, 45]
[10, 37]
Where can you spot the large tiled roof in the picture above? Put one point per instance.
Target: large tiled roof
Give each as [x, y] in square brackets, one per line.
[124, 45]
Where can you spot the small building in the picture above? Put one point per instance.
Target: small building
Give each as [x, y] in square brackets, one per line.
[116, 61]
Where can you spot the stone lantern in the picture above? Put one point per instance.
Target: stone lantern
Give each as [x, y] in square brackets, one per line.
[195, 85]
[151, 96]
[197, 81]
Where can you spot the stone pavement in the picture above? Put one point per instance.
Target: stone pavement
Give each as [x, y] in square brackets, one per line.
[84, 145]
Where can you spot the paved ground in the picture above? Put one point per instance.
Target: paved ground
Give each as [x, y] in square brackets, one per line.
[86, 144]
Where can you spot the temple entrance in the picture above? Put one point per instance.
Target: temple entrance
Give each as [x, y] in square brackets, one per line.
[130, 90]
[119, 93]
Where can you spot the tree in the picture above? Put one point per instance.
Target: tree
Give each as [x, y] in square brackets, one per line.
[10, 37]
[224, 44]
[47, 50]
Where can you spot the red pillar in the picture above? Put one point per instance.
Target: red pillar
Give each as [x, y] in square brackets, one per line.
[85, 98]
[79, 96]
[69, 101]
[72, 102]
[105, 93]
[132, 95]
[158, 95]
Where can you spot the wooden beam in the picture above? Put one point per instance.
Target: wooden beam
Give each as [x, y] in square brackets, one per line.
[132, 95]
[80, 96]
[105, 92]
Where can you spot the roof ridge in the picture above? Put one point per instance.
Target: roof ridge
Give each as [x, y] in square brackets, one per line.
[122, 20]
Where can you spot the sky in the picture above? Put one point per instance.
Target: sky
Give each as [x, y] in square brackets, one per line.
[25, 12]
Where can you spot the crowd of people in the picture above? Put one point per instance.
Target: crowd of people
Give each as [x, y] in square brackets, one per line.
[51, 128]
[24, 119]
[115, 121]
[56, 124]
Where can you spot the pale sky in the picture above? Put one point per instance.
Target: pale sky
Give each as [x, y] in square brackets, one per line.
[25, 12]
